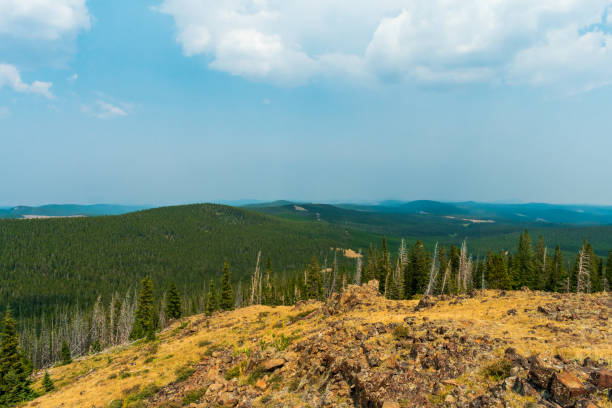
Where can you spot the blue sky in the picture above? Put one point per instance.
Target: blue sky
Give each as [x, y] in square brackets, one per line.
[174, 101]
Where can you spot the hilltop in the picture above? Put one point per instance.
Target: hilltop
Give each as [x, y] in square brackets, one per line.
[358, 349]
[48, 263]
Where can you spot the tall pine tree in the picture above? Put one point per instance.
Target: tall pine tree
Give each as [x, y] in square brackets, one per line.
[314, 285]
[608, 272]
[557, 277]
[174, 309]
[227, 293]
[144, 323]
[524, 263]
[14, 371]
[211, 299]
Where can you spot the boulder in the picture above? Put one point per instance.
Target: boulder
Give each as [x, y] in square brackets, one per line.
[602, 378]
[272, 364]
[566, 388]
[540, 373]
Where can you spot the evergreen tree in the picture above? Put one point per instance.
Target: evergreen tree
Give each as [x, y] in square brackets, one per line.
[384, 267]
[211, 299]
[497, 271]
[417, 276]
[174, 309]
[47, 384]
[227, 293]
[14, 372]
[524, 262]
[65, 353]
[540, 267]
[314, 285]
[557, 276]
[608, 272]
[144, 322]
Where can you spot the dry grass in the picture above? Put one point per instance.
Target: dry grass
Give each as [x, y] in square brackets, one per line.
[97, 380]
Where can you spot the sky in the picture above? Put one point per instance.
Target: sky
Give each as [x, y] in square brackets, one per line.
[178, 101]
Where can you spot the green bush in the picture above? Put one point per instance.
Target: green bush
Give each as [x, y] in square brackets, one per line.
[498, 370]
[193, 396]
[401, 332]
[116, 404]
[183, 373]
[233, 372]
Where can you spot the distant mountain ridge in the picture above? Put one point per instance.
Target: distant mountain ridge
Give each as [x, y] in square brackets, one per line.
[541, 213]
[67, 210]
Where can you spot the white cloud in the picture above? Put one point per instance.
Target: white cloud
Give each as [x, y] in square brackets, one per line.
[456, 41]
[43, 19]
[9, 76]
[73, 78]
[104, 110]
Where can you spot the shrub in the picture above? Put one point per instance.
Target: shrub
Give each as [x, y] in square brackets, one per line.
[183, 373]
[498, 370]
[232, 373]
[118, 403]
[204, 343]
[193, 396]
[401, 332]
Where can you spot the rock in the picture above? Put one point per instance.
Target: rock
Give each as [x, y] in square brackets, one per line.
[540, 373]
[390, 404]
[509, 383]
[516, 358]
[602, 378]
[511, 312]
[449, 399]
[228, 399]
[424, 303]
[523, 387]
[272, 364]
[585, 404]
[566, 388]
[544, 310]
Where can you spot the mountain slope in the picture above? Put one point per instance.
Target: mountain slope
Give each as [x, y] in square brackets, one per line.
[57, 262]
[359, 350]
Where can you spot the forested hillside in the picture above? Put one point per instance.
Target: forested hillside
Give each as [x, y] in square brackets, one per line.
[44, 263]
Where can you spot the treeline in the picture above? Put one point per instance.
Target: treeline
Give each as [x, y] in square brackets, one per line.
[404, 273]
[48, 264]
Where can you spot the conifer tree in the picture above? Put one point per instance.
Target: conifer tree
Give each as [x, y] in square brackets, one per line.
[497, 271]
[14, 372]
[608, 272]
[144, 323]
[557, 276]
[315, 280]
[417, 270]
[47, 383]
[227, 293]
[174, 309]
[211, 299]
[540, 267]
[524, 262]
[65, 353]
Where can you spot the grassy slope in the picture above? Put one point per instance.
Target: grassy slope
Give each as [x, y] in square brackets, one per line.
[98, 379]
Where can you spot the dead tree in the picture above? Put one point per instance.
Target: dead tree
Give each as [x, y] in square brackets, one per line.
[358, 269]
[256, 283]
[433, 272]
[583, 283]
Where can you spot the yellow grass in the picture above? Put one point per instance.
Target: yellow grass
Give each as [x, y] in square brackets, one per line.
[97, 380]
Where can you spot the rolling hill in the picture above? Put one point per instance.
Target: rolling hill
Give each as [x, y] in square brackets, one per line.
[47, 263]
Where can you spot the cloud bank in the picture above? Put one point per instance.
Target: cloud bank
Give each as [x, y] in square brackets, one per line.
[43, 19]
[545, 42]
[10, 77]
